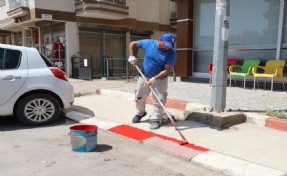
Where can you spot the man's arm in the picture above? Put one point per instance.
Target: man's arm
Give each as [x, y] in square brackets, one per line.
[132, 46]
[167, 69]
[132, 59]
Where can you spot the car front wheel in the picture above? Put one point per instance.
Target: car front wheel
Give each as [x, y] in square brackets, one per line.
[38, 109]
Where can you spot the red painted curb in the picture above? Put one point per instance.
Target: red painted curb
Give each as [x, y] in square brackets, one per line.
[172, 148]
[170, 103]
[132, 132]
[141, 135]
[276, 123]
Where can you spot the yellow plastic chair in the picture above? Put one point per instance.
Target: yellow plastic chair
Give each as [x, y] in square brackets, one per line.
[272, 69]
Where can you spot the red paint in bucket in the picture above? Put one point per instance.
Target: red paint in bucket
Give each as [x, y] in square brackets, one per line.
[86, 128]
[83, 137]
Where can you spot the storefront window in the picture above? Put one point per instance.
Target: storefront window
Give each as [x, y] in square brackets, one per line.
[18, 38]
[54, 43]
[261, 28]
[253, 25]
[29, 39]
[6, 39]
[204, 24]
[284, 39]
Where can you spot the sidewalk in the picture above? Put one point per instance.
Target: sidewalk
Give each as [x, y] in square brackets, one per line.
[245, 149]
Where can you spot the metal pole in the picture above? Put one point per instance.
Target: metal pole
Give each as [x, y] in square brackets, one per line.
[220, 54]
[107, 68]
[173, 74]
[128, 40]
[280, 29]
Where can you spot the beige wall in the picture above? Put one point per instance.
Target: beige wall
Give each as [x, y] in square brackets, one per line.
[57, 5]
[3, 11]
[147, 10]
[156, 11]
[72, 43]
[156, 35]
[164, 11]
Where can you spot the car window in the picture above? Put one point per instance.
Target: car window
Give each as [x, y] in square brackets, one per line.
[47, 61]
[1, 58]
[11, 59]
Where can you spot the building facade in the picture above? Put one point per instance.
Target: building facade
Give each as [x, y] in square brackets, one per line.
[62, 29]
[257, 29]
[104, 29]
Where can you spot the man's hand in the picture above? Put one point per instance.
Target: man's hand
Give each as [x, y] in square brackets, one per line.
[132, 60]
[150, 82]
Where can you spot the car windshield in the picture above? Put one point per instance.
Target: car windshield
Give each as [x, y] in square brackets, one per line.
[47, 61]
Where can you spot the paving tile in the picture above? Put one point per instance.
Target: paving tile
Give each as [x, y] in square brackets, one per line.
[172, 148]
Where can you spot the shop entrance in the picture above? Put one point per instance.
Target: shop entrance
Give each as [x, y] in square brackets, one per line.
[82, 67]
[101, 44]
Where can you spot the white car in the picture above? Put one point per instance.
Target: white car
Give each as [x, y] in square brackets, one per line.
[31, 88]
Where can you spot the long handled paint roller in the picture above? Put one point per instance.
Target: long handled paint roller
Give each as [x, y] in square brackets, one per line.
[184, 142]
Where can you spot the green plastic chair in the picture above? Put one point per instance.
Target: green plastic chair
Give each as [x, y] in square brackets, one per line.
[243, 70]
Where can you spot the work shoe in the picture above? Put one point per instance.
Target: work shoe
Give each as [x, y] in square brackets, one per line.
[137, 118]
[154, 125]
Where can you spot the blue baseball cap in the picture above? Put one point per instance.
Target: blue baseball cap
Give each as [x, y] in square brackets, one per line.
[168, 39]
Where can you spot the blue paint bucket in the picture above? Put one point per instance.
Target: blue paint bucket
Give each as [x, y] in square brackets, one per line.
[83, 138]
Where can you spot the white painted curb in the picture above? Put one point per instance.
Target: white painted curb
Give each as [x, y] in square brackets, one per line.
[213, 160]
[233, 166]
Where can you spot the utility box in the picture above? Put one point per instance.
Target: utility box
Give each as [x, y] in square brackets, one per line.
[82, 68]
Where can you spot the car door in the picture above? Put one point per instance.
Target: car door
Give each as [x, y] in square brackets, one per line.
[13, 72]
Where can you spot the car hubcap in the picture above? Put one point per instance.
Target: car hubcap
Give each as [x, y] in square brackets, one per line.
[39, 110]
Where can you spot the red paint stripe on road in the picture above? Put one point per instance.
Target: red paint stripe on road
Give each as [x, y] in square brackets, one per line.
[132, 132]
[170, 103]
[140, 135]
[195, 147]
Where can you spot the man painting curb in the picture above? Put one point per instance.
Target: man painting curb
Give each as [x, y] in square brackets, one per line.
[158, 61]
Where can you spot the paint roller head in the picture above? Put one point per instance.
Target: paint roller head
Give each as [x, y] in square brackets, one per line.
[183, 142]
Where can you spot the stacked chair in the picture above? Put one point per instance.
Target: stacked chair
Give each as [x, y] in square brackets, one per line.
[230, 61]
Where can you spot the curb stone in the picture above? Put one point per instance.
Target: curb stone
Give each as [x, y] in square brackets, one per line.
[258, 119]
[209, 159]
[276, 123]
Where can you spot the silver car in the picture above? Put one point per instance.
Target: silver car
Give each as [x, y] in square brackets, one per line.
[31, 88]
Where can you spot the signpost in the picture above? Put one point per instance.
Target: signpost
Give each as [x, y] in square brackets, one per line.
[220, 54]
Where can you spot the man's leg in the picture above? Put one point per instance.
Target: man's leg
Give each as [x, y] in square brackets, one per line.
[141, 94]
[160, 87]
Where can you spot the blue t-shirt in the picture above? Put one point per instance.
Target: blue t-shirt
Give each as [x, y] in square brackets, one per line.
[155, 59]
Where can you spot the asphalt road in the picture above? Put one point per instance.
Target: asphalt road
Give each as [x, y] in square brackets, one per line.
[46, 151]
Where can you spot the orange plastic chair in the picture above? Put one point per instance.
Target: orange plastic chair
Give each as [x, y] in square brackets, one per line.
[272, 69]
[230, 61]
